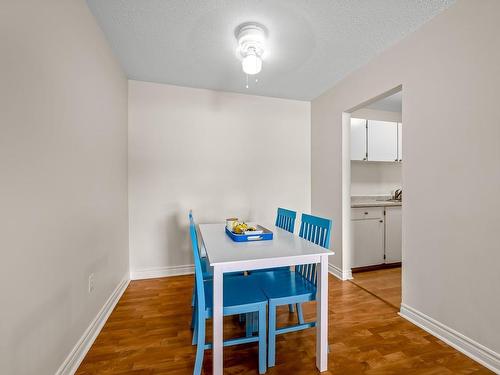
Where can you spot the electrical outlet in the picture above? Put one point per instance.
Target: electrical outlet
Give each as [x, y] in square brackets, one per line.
[91, 283]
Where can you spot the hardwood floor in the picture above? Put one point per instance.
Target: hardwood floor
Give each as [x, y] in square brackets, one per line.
[148, 333]
[384, 284]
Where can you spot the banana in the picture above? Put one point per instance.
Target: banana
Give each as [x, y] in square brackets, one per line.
[239, 228]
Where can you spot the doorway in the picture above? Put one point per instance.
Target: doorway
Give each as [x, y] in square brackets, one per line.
[372, 197]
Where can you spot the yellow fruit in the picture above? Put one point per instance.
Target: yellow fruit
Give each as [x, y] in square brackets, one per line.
[240, 228]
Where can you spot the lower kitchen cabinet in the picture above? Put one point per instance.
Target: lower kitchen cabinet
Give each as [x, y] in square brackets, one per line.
[368, 236]
[393, 231]
[376, 237]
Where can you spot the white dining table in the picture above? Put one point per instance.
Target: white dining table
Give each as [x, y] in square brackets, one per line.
[285, 249]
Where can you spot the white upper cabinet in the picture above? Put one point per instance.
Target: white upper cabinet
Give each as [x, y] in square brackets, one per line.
[382, 141]
[376, 140]
[400, 142]
[358, 139]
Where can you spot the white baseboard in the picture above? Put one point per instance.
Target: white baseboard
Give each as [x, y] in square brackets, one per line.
[348, 275]
[155, 272]
[338, 273]
[76, 356]
[479, 353]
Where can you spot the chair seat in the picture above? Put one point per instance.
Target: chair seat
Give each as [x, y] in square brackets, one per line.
[279, 284]
[275, 269]
[241, 294]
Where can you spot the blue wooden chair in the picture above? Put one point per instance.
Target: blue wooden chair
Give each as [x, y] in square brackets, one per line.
[241, 296]
[285, 219]
[294, 287]
[206, 271]
[205, 266]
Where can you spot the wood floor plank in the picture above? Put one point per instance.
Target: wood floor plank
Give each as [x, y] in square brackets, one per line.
[148, 333]
[384, 284]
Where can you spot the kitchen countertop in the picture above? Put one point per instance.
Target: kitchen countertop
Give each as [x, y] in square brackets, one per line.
[373, 201]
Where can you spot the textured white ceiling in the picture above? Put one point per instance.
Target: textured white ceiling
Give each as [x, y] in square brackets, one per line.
[312, 43]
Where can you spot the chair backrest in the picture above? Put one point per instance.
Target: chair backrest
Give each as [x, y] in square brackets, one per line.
[200, 292]
[285, 219]
[317, 230]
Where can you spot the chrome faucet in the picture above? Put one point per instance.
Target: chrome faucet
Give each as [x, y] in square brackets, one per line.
[398, 195]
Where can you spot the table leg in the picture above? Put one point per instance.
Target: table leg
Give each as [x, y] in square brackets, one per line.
[217, 321]
[322, 316]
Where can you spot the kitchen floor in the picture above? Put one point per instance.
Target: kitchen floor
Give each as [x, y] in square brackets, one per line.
[384, 284]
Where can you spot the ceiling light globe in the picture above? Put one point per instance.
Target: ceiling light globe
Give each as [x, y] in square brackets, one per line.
[251, 64]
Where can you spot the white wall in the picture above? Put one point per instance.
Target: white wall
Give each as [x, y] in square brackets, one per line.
[374, 178]
[220, 154]
[63, 189]
[450, 72]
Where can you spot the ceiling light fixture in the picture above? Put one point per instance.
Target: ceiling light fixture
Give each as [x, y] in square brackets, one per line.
[251, 38]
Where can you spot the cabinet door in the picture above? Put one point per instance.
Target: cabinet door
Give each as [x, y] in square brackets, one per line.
[400, 142]
[382, 141]
[393, 234]
[368, 241]
[358, 139]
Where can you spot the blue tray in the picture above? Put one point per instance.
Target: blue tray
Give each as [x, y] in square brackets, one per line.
[266, 235]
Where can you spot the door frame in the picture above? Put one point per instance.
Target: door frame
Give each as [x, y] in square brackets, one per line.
[347, 247]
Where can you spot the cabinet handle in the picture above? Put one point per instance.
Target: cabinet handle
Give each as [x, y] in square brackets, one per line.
[381, 221]
[396, 160]
[364, 159]
[366, 213]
